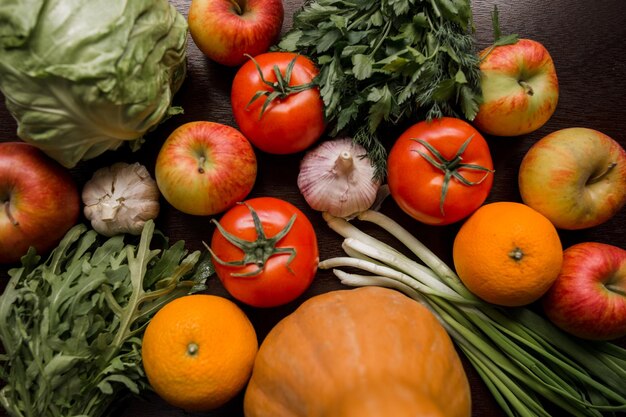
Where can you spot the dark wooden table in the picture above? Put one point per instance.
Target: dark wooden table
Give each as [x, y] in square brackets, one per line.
[587, 42]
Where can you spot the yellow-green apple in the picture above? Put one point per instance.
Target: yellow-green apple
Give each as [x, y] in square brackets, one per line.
[588, 298]
[39, 201]
[203, 168]
[226, 30]
[520, 88]
[576, 177]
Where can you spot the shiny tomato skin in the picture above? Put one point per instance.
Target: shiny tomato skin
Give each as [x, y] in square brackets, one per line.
[276, 284]
[416, 185]
[287, 125]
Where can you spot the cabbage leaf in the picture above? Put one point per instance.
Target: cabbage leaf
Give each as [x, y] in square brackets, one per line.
[83, 76]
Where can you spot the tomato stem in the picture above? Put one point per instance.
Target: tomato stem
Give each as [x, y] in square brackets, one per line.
[258, 251]
[451, 167]
[279, 89]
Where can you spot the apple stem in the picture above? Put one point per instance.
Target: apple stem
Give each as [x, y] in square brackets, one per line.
[201, 162]
[237, 7]
[527, 87]
[7, 209]
[603, 174]
[615, 289]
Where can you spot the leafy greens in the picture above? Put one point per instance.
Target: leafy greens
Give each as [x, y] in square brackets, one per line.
[82, 77]
[71, 326]
[389, 60]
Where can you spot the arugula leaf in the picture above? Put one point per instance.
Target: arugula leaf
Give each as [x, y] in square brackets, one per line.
[388, 61]
[71, 325]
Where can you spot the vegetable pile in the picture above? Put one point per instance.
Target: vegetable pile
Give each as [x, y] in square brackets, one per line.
[71, 325]
[81, 80]
[388, 60]
[83, 77]
[520, 356]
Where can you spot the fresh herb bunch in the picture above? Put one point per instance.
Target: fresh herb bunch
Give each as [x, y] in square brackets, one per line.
[71, 326]
[389, 60]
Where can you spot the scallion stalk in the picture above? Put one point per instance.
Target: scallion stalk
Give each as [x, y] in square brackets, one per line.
[520, 355]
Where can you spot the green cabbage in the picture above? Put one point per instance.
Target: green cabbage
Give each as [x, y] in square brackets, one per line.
[83, 76]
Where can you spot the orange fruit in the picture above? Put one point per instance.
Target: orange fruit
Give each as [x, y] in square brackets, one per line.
[507, 254]
[198, 352]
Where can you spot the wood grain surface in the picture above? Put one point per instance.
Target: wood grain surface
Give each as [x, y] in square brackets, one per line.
[587, 42]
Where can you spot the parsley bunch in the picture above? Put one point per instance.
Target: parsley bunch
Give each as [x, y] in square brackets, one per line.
[388, 60]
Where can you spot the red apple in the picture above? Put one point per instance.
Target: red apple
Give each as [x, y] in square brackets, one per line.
[225, 30]
[588, 298]
[520, 89]
[39, 201]
[576, 177]
[203, 168]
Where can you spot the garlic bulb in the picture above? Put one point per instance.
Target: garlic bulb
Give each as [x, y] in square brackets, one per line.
[337, 177]
[120, 199]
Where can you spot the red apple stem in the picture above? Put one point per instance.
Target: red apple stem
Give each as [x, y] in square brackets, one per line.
[7, 209]
[615, 289]
[237, 7]
[603, 174]
[201, 162]
[527, 87]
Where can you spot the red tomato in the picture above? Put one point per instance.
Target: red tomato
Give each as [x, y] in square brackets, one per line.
[294, 118]
[260, 267]
[417, 175]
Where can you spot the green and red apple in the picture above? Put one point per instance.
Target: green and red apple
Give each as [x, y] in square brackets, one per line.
[576, 177]
[520, 88]
[203, 168]
[588, 298]
[226, 30]
[39, 201]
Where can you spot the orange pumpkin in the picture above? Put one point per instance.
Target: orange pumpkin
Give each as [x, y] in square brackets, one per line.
[368, 351]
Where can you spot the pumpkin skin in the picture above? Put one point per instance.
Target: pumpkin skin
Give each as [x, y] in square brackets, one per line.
[368, 351]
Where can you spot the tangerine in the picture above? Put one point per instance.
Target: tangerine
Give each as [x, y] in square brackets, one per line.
[507, 254]
[198, 351]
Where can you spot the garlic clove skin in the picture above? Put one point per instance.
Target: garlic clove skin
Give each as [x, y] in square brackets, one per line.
[337, 177]
[120, 199]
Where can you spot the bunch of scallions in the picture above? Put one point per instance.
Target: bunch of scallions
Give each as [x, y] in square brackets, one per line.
[523, 359]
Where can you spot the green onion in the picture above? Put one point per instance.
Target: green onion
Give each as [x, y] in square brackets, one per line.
[523, 359]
